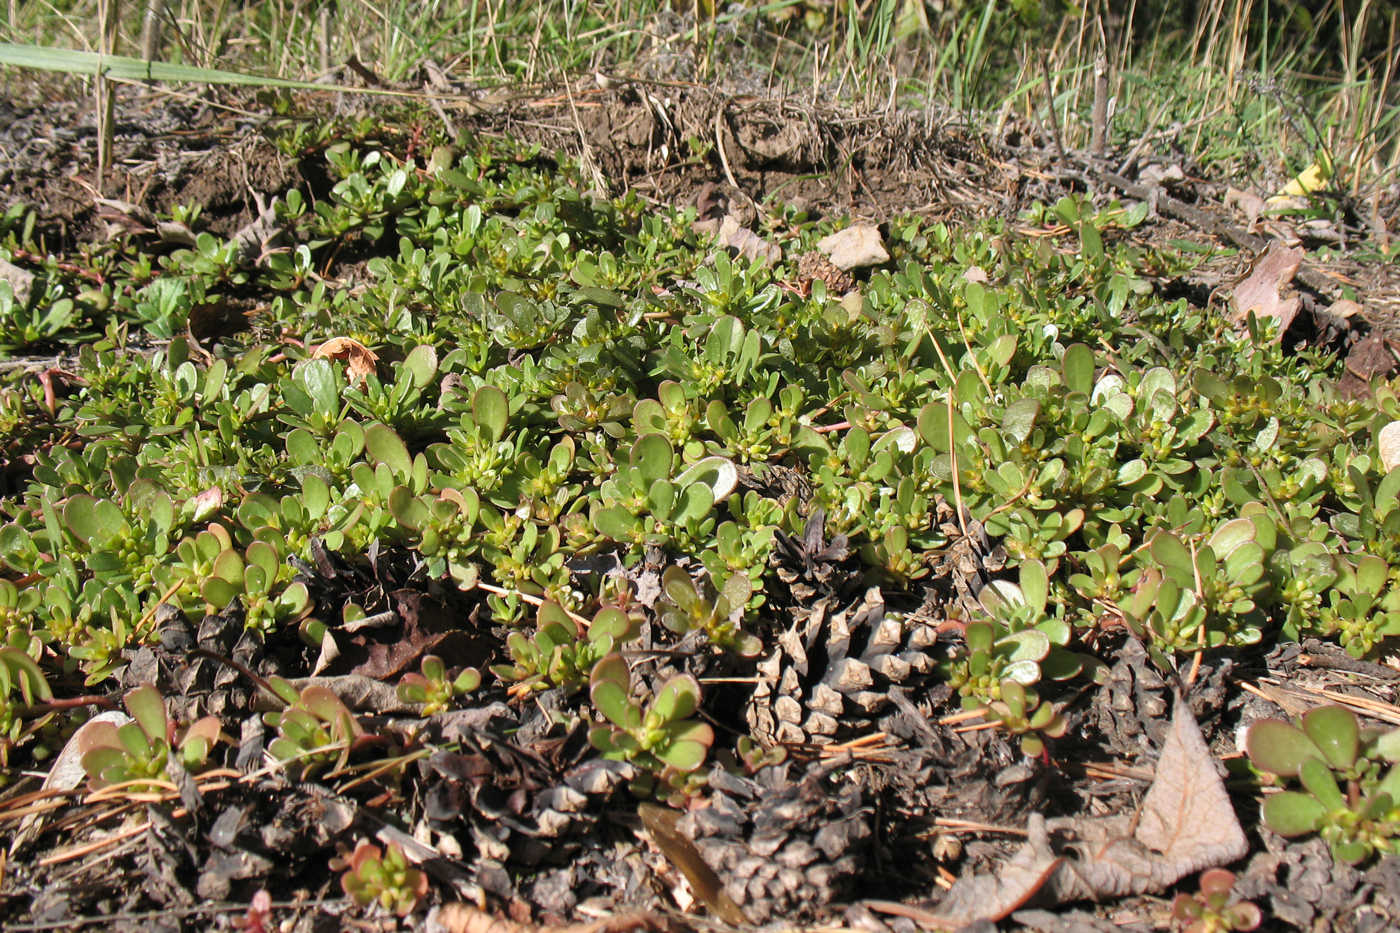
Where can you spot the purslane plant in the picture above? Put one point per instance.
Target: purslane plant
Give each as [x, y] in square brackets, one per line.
[143, 748]
[1350, 781]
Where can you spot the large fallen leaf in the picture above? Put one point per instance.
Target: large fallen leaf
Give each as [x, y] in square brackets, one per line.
[1259, 292]
[857, 246]
[682, 853]
[1185, 824]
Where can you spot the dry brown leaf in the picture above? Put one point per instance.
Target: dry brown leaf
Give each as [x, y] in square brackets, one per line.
[857, 246]
[464, 918]
[1389, 442]
[1248, 204]
[1158, 174]
[1185, 824]
[1259, 292]
[1344, 308]
[733, 235]
[1370, 357]
[772, 142]
[206, 503]
[359, 359]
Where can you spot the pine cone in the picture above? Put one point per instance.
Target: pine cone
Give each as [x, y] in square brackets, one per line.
[518, 815]
[813, 265]
[784, 849]
[830, 675]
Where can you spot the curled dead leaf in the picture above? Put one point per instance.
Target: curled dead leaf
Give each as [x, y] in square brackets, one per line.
[682, 853]
[67, 772]
[206, 503]
[21, 281]
[359, 359]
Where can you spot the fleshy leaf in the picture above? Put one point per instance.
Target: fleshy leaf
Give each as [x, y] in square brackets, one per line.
[1333, 729]
[677, 698]
[1279, 747]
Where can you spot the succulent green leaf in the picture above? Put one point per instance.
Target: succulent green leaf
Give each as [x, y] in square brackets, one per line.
[661, 496]
[1028, 644]
[491, 410]
[1334, 730]
[1230, 536]
[1035, 585]
[92, 521]
[677, 698]
[284, 690]
[717, 473]
[685, 756]
[1319, 780]
[980, 638]
[1279, 747]
[1169, 551]
[651, 459]
[294, 599]
[264, 557]
[385, 446]
[408, 510]
[1019, 419]
[615, 522]
[218, 592]
[317, 378]
[433, 668]
[1371, 572]
[148, 709]
[1026, 671]
[1292, 813]
[1077, 365]
[612, 623]
[421, 364]
[1349, 851]
[608, 689]
[99, 762]
[136, 741]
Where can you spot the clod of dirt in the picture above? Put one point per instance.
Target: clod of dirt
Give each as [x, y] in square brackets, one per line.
[1389, 441]
[21, 281]
[856, 247]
